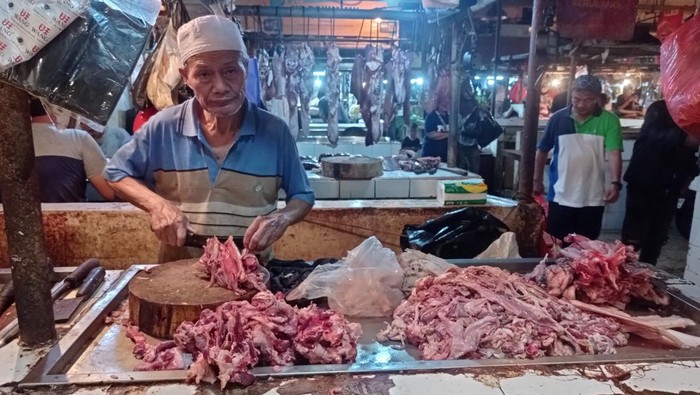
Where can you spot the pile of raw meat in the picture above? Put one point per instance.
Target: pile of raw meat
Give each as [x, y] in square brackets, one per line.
[164, 356]
[228, 342]
[239, 335]
[485, 312]
[598, 273]
[238, 271]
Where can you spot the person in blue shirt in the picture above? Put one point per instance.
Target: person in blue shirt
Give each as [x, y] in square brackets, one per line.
[214, 164]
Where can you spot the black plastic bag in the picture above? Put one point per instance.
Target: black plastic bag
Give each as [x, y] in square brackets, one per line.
[87, 66]
[481, 126]
[463, 233]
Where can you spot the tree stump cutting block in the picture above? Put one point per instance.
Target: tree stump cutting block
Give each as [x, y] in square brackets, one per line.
[352, 167]
[162, 298]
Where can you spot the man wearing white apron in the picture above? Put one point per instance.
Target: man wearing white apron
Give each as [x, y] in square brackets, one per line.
[581, 136]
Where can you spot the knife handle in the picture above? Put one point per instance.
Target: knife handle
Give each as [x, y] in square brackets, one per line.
[7, 296]
[92, 281]
[74, 279]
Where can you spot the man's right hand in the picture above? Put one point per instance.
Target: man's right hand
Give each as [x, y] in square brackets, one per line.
[538, 187]
[169, 224]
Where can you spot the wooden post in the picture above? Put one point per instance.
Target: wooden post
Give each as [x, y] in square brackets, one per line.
[532, 108]
[572, 75]
[31, 273]
[496, 51]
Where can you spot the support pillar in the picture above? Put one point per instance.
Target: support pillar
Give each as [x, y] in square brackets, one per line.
[31, 273]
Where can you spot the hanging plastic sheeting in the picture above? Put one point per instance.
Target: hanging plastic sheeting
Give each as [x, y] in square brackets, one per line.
[164, 80]
[680, 54]
[86, 68]
[28, 26]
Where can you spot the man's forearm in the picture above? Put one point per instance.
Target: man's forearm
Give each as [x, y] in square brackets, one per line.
[295, 211]
[540, 162]
[132, 191]
[615, 165]
[437, 135]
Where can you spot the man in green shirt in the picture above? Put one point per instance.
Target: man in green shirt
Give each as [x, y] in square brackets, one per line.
[581, 136]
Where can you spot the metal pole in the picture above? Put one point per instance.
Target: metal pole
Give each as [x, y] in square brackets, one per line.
[532, 108]
[572, 75]
[31, 273]
[496, 51]
[455, 76]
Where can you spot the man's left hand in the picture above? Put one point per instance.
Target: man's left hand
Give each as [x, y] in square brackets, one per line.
[264, 231]
[612, 194]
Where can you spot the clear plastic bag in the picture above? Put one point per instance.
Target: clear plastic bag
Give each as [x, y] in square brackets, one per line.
[680, 54]
[366, 283]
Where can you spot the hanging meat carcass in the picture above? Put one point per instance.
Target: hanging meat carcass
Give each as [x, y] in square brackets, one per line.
[278, 104]
[291, 67]
[306, 84]
[372, 90]
[396, 74]
[267, 86]
[333, 60]
[357, 78]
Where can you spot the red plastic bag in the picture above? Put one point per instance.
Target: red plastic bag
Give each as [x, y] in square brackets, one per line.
[680, 55]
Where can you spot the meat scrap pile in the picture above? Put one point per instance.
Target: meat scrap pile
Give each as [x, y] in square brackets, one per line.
[227, 342]
[164, 356]
[238, 271]
[598, 273]
[485, 312]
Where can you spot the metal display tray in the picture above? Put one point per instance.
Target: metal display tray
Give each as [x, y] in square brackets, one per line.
[95, 353]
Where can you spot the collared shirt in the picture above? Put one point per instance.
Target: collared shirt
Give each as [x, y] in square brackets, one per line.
[577, 171]
[64, 162]
[172, 157]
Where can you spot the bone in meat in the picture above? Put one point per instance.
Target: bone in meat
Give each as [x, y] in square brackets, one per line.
[306, 84]
[291, 67]
[333, 60]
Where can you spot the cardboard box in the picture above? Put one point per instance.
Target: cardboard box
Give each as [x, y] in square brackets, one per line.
[461, 192]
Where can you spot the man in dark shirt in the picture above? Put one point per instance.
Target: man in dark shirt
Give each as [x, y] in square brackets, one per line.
[436, 131]
[627, 104]
[663, 163]
[412, 142]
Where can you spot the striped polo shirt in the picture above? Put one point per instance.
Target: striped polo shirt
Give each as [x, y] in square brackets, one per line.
[173, 158]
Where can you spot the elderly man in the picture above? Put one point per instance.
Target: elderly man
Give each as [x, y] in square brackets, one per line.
[581, 136]
[214, 164]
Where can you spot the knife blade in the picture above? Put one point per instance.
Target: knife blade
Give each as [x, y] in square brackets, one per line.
[199, 241]
[71, 281]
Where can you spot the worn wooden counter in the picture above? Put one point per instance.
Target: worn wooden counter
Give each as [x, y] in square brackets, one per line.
[119, 234]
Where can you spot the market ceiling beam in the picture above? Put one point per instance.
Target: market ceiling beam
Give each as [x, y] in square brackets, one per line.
[328, 12]
[31, 271]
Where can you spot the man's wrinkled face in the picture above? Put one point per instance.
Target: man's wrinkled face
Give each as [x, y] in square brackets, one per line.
[584, 103]
[218, 81]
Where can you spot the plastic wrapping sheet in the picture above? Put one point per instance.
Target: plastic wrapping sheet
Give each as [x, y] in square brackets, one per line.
[680, 54]
[28, 25]
[85, 69]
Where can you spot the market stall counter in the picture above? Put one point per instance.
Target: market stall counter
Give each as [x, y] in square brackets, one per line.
[119, 233]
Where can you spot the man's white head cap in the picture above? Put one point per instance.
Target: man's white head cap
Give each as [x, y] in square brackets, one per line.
[207, 34]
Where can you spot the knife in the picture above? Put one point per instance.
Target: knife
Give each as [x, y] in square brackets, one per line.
[73, 280]
[199, 241]
[63, 309]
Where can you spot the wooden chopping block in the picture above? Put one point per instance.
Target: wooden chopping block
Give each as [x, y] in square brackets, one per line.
[162, 298]
[351, 167]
